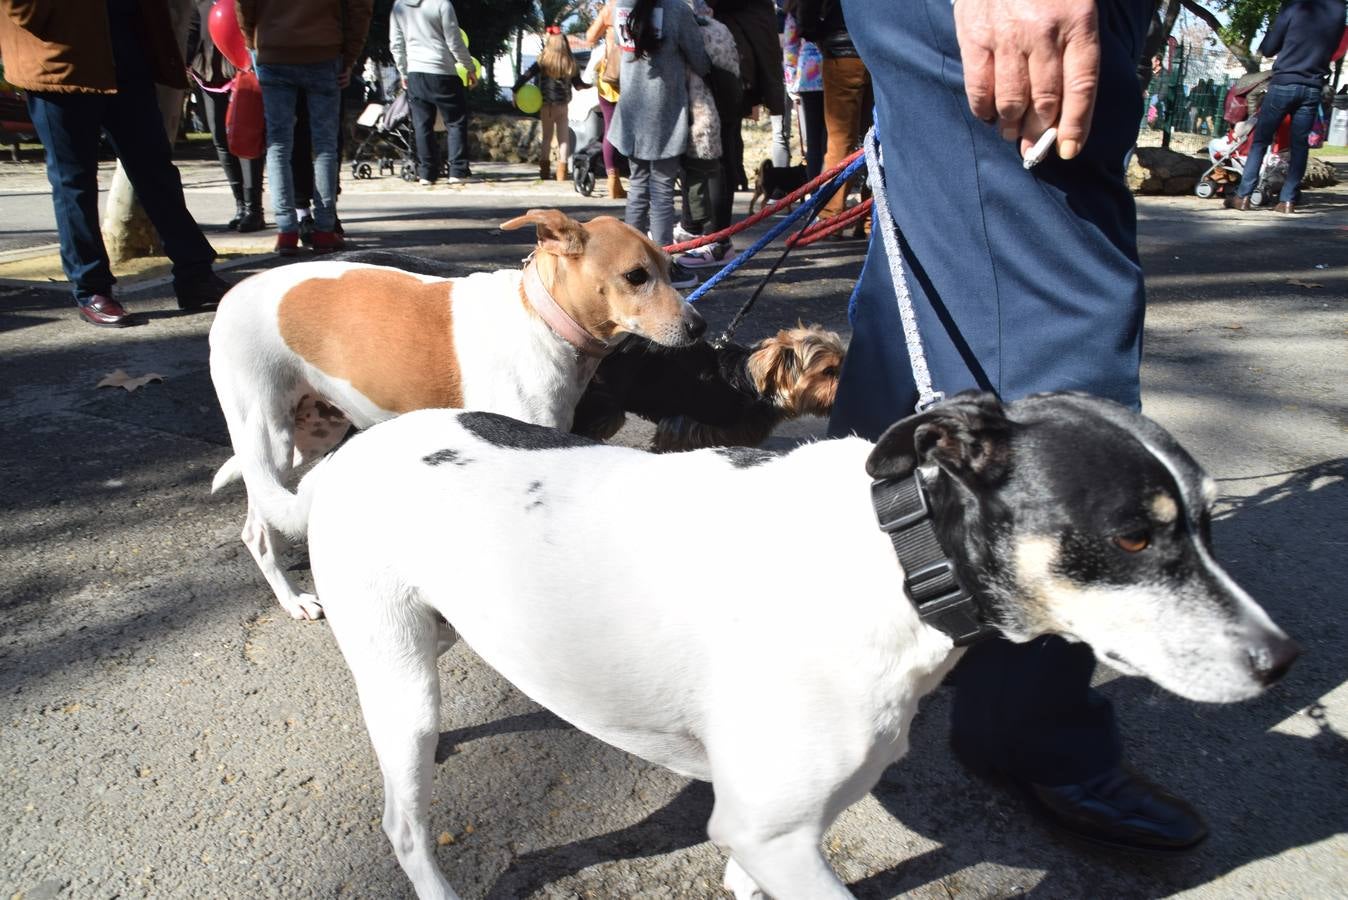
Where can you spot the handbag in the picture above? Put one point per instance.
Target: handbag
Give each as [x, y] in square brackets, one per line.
[245, 126]
[613, 59]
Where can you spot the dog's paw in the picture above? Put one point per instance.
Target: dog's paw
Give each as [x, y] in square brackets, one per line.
[739, 883]
[304, 607]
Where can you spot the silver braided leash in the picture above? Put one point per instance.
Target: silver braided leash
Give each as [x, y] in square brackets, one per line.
[917, 357]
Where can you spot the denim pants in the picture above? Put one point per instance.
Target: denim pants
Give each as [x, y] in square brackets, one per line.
[280, 86]
[69, 125]
[1300, 101]
[426, 93]
[1023, 281]
[650, 197]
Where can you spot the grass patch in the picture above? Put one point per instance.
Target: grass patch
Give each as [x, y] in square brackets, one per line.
[1330, 150]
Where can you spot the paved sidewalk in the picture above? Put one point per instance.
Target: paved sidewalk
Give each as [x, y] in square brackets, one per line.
[166, 731]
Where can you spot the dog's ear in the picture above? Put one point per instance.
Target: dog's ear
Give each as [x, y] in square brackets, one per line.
[558, 233]
[968, 436]
[770, 364]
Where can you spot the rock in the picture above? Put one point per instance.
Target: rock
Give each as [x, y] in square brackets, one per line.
[1154, 170]
[1319, 174]
[504, 138]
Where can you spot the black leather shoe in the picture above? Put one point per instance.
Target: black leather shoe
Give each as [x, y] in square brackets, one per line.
[1118, 811]
[200, 292]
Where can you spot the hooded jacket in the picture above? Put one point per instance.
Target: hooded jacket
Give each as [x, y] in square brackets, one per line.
[423, 36]
[296, 32]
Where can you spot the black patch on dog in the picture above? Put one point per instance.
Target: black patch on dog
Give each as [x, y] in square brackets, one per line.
[535, 493]
[440, 457]
[503, 431]
[745, 457]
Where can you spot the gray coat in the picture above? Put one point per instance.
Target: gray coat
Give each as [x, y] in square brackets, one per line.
[651, 119]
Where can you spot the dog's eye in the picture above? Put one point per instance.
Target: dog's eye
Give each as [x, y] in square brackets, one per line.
[831, 372]
[637, 277]
[1133, 542]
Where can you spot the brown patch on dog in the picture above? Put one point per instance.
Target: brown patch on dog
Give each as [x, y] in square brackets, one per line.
[798, 369]
[388, 333]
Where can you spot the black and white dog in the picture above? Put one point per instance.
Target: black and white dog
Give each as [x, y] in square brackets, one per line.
[707, 396]
[564, 564]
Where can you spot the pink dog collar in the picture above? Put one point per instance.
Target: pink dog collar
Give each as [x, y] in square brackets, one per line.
[558, 319]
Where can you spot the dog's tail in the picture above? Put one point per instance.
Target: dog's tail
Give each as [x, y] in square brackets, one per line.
[229, 473]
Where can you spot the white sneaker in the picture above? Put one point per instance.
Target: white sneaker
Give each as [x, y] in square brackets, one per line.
[681, 234]
[710, 255]
[425, 182]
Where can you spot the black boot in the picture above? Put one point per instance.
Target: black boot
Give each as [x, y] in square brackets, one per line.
[234, 175]
[239, 212]
[252, 220]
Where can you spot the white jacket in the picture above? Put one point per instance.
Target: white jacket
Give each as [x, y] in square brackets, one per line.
[423, 36]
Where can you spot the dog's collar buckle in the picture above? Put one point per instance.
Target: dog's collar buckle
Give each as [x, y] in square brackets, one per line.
[558, 319]
[903, 511]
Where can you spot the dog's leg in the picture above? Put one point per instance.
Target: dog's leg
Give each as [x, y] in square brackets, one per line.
[262, 470]
[392, 660]
[772, 825]
[261, 541]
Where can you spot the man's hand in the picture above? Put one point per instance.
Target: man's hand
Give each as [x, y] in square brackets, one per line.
[1030, 65]
[472, 77]
[344, 78]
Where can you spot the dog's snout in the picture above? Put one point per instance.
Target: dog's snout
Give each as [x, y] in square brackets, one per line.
[693, 324]
[1271, 662]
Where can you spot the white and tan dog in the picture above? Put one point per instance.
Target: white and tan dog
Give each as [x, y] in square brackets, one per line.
[301, 353]
[783, 661]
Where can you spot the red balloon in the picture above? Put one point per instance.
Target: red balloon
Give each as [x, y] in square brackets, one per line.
[228, 37]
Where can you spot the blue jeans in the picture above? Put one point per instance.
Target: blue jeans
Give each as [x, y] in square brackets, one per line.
[1300, 101]
[69, 125]
[280, 86]
[1024, 281]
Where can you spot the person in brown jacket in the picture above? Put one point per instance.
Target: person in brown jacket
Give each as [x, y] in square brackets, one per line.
[91, 69]
[308, 45]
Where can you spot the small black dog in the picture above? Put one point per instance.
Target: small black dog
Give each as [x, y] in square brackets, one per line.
[701, 396]
[771, 182]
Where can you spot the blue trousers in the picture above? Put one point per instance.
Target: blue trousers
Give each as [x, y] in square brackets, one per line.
[281, 89]
[1023, 282]
[69, 126]
[1300, 101]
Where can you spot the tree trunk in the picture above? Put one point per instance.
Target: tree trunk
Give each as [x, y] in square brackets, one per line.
[127, 231]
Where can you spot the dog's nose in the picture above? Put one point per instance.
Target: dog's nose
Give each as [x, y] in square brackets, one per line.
[693, 323]
[1272, 662]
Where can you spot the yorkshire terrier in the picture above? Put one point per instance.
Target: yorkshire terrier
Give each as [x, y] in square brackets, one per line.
[702, 396]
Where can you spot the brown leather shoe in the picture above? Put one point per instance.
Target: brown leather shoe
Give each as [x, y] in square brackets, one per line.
[1285, 208]
[104, 311]
[1237, 202]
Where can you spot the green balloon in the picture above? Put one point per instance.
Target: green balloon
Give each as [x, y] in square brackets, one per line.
[529, 99]
[463, 73]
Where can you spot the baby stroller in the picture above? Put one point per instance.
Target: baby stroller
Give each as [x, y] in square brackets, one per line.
[389, 143]
[1229, 155]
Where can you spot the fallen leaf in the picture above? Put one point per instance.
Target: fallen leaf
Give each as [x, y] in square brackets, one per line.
[445, 839]
[120, 379]
[1236, 327]
[1306, 284]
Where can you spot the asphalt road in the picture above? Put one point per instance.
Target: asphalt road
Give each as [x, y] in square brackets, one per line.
[166, 731]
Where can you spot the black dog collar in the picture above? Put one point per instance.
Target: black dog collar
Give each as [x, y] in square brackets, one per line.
[904, 513]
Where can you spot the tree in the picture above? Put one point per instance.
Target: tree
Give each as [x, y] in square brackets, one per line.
[1246, 19]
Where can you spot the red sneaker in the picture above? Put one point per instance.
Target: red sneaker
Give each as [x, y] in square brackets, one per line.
[287, 243]
[327, 241]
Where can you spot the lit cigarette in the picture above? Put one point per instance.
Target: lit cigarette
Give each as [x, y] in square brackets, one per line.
[1040, 148]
